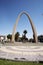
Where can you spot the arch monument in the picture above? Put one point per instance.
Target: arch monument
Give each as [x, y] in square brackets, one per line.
[32, 25]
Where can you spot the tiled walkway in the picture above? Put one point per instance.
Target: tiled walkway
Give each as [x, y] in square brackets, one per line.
[26, 53]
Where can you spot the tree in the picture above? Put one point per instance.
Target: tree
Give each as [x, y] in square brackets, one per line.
[9, 36]
[25, 32]
[17, 36]
[30, 40]
[40, 38]
[24, 36]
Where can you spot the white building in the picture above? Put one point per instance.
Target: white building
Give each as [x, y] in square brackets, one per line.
[2, 37]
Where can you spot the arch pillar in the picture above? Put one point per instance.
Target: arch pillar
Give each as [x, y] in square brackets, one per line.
[32, 25]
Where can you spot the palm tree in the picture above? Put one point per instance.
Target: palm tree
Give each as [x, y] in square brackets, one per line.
[24, 36]
[25, 32]
[17, 36]
[9, 36]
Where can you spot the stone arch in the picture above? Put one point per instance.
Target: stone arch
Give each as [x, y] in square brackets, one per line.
[32, 25]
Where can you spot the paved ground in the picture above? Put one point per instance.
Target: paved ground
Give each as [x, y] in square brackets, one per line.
[22, 53]
[21, 44]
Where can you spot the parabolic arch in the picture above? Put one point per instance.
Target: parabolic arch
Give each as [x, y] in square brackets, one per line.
[32, 25]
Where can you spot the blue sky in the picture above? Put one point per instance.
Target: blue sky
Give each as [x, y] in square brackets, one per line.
[9, 11]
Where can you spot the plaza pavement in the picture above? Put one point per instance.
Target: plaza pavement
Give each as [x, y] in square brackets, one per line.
[22, 53]
[21, 44]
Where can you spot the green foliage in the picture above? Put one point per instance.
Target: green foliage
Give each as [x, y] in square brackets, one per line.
[17, 36]
[25, 32]
[9, 36]
[6, 62]
[24, 38]
[40, 38]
